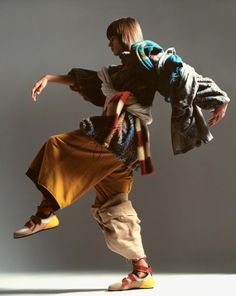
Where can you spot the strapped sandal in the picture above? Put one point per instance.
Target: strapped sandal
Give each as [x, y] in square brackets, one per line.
[132, 281]
[44, 219]
[36, 224]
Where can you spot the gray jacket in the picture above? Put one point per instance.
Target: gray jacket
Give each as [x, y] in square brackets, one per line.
[189, 92]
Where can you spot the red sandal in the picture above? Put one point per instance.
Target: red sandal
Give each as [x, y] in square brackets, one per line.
[132, 281]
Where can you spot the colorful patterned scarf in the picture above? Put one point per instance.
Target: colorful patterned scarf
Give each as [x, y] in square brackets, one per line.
[117, 104]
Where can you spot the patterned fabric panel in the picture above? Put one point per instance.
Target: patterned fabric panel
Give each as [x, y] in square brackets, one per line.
[123, 143]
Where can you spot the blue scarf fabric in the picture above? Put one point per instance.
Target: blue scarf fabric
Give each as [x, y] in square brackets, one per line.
[147, 54]
[146, 51]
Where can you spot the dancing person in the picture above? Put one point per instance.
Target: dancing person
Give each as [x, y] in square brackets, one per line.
[104, 152]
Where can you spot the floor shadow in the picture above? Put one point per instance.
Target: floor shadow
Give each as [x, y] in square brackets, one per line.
[45, 291]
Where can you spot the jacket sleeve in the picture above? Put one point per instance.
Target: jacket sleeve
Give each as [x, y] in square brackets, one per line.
[209, 95]
[88, 85]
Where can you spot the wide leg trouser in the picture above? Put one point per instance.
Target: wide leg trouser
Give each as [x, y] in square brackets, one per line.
[70, 164]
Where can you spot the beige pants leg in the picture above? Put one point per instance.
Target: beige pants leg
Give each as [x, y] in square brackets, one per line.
[117, 217]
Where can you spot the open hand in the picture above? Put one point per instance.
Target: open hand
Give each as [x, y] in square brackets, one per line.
[38, 87]
[217, 114]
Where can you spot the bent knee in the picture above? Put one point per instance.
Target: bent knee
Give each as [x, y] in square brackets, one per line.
[113, 216]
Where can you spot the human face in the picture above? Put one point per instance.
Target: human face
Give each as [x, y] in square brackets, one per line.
[116, 45]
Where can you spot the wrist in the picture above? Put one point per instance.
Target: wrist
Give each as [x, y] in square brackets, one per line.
[47, 77]
[224, 106]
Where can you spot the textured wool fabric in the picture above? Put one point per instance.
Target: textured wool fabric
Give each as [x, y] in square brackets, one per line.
[186, 90]
[147, 68]
[118, 103]
[142, 133]
[124, 140]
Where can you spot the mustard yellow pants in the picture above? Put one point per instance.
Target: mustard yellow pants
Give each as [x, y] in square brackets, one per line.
[70, 164]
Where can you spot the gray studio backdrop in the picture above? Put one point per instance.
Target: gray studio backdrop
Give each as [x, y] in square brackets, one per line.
[188, 207]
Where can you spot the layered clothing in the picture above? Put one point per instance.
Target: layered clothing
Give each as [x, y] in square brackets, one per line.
[123, 125]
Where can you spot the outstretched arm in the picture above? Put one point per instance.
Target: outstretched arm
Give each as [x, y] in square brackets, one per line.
[41, 83]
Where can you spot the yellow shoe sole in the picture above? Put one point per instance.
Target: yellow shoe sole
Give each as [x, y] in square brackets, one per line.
[148, 284]
[54, 222]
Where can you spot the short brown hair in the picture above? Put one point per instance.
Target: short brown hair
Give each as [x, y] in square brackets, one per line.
[127, 29]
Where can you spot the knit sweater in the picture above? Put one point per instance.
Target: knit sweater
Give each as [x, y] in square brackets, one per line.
[186, 90]
[124, 141]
